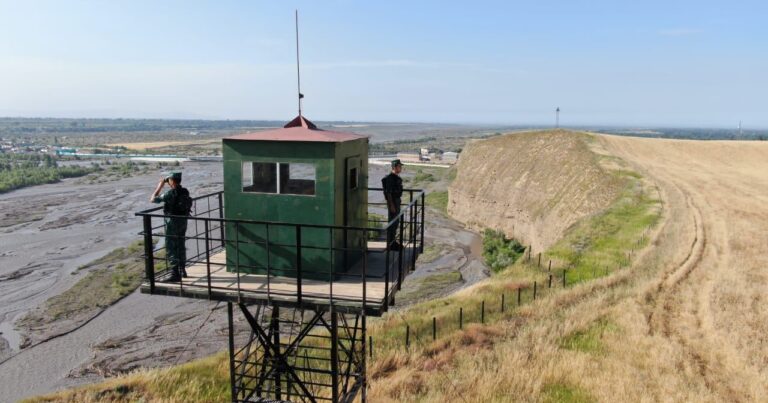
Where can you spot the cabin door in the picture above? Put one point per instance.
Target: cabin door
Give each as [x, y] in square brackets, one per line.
[353, 192]
[354, 209]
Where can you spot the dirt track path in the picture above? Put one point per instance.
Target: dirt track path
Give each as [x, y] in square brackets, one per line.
[708, 306]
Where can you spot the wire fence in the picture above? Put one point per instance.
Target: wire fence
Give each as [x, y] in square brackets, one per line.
[502, 304]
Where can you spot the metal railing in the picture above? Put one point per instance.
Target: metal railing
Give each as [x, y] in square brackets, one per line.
[293, 268]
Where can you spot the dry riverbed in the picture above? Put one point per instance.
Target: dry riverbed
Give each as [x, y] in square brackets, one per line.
[47, 233]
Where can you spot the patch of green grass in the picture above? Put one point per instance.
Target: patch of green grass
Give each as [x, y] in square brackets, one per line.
[626, 172]
[451, 175]
[428, 286]
[130, 251]
[211, 381]
[562, 393]
[438, 201]
[589, 340]
[203, 380]
[111, 278]
[603, 243]
[422, 176]
[431, 253]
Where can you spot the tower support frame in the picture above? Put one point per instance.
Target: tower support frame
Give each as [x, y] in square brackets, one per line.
[297, 355]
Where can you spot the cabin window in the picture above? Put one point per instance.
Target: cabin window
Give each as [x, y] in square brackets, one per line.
[281, 178]
[353, 178]
[260, 177]
[297, 179]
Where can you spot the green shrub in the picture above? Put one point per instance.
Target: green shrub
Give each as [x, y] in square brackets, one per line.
[423, 177]
[500, 252]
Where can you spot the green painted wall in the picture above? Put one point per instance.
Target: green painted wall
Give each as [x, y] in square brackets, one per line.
[324, 208]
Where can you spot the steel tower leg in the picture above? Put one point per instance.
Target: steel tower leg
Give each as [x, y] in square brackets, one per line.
[322, 358]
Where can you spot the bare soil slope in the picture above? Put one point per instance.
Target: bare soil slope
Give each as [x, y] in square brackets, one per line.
[531, 185]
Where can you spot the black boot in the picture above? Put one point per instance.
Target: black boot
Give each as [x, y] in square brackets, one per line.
[175, 277]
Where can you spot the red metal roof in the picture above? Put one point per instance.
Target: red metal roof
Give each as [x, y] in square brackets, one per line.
[300, 121]
[299, 129]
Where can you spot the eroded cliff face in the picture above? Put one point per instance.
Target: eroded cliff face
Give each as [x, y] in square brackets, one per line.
[531, 185]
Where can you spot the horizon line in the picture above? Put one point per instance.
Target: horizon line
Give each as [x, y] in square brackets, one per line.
[492, 124]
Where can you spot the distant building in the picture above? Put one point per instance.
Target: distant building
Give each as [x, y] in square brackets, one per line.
[450, 157]
[408, 157]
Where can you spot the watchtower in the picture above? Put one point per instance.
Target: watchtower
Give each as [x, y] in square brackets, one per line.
[295, 243]
[299, 175]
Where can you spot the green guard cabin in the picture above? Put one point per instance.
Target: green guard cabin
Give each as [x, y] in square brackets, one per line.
[295, 175]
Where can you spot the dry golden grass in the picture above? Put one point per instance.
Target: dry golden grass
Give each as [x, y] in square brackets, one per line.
[704, 315]
[143, 146]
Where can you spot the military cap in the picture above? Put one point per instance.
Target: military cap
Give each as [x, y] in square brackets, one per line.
[174, 175]
[396, 163]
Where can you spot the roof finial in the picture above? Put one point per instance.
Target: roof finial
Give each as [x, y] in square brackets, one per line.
[298, 70]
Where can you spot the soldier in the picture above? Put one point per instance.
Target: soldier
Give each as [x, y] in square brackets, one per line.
[176, 201]
[393, 191]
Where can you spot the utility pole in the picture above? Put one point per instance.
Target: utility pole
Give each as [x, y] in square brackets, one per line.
[557, 118]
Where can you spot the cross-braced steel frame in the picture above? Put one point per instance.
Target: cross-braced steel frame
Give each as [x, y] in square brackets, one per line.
[297, 355]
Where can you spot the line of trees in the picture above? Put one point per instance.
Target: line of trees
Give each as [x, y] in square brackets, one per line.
[18, 171]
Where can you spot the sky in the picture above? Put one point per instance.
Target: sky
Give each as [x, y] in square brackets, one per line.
[620, 63]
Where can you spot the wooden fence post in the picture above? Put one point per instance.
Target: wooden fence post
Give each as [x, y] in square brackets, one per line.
[407, 336]
[434, 328]
[534, 291]
[482, 312]
[519, 292]
[461, 318]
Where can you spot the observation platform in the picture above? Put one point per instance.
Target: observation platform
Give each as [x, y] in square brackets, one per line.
[367, 286]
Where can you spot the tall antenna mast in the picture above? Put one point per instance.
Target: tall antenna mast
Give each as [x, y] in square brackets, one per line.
[298, 70]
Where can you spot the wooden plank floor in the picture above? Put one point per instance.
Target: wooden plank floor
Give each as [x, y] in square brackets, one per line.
[260, 287]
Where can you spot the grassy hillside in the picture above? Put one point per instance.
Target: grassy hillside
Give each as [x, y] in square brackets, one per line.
[526, 351]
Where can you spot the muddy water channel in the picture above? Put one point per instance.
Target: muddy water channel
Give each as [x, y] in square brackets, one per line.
[47, 232]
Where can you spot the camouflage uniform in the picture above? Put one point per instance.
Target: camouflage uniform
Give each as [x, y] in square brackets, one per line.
[175, 231]
[393, 192]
